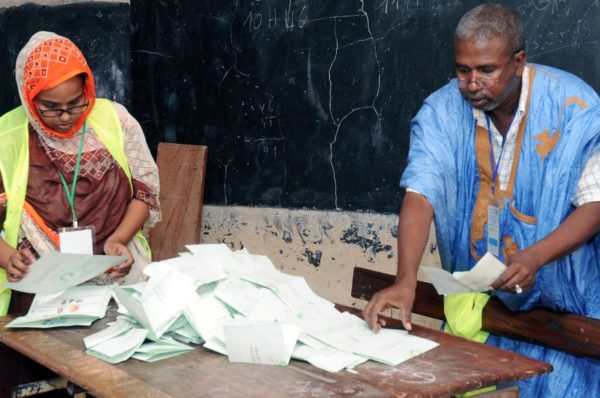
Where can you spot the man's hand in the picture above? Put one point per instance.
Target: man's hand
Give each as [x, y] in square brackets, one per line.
[114, 248]
[521, 270]
[401, 296]
[18, 264]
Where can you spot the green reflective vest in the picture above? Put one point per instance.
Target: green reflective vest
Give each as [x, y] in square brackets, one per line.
[14, 168]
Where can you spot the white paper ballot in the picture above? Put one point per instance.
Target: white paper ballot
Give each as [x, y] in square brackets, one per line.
[161, 303]
[116, 329]
[478, 279]
[327, 358]
[391, 346]
[79, 305]
[55, 272]
[158, 350]
[266, 343]
[194, 266]
[217, 254]
[120, 348]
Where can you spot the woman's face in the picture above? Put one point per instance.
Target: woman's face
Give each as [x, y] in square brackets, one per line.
[59, 108]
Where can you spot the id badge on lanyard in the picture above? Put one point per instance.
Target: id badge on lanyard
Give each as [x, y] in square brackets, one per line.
[77, 240]
[493, 220]
[493, 232]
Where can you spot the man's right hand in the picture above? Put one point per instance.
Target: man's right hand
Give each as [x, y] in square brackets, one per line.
[18, 264]
[399, 295]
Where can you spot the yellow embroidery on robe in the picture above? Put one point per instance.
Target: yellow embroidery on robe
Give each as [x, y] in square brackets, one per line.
[547, 143]
[510, 246]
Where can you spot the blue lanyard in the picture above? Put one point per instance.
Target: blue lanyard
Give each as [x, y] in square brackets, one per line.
[495, 165]
[71, 194]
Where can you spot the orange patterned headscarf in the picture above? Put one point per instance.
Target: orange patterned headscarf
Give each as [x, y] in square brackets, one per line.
[50, 63]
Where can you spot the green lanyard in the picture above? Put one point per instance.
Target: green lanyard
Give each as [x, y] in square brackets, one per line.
[71, 195]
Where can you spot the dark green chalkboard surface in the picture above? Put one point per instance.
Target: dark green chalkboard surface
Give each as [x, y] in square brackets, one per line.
[307, 103]
[100, 29]
[302, 103]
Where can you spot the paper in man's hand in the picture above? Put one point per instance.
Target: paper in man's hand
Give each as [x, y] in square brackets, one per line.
[478, 279]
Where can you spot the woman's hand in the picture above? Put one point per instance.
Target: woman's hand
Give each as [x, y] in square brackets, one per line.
[114, 248]
[18, 264]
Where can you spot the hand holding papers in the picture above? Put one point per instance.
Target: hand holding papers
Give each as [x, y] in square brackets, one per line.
[478, 279]
[55, 272]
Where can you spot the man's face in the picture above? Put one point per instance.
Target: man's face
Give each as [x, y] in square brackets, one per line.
[488, 73]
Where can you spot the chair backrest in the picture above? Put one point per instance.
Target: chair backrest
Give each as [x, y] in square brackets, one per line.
[182, 169]
[571, 333]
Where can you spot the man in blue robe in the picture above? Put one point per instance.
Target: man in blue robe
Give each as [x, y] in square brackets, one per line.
[519, 140]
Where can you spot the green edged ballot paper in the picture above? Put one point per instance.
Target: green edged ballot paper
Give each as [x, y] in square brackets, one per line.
[77, 306]
[55, 272]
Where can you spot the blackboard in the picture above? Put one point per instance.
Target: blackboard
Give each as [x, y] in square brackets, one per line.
[306, 104]
[302, 103]
[100, 29]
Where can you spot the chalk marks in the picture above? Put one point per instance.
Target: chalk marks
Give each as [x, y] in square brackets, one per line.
[556, 8]
[545, 41]
[338, 121]
[276, 17]
[309, 103]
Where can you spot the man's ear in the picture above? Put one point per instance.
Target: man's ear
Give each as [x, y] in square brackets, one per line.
[521, 60]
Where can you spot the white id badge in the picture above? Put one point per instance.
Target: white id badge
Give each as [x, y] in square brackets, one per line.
[493, 236]
[77, 240]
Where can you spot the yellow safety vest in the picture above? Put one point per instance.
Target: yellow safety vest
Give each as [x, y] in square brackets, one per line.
[14, 168]
[464, 313]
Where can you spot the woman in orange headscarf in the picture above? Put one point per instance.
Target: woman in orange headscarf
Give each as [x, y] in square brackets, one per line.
[71, 160]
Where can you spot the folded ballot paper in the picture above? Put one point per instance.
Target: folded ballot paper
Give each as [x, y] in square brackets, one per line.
[239, 305]
[77, 306]
[55, 272]
[478, 279]
[161, 302]
[116, 343]
[262, 342]
[124, 339]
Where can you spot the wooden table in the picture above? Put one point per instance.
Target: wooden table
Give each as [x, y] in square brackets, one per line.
[457, 365]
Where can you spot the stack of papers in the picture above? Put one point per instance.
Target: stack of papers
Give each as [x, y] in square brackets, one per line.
[116, 343]
[234, 303]
[240, 305]
[124, 339]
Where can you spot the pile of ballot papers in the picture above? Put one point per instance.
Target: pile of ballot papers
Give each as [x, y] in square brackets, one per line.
[232, 302]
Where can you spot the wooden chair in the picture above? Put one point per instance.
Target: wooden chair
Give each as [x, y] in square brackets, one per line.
[571, 333]
[182, 170]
